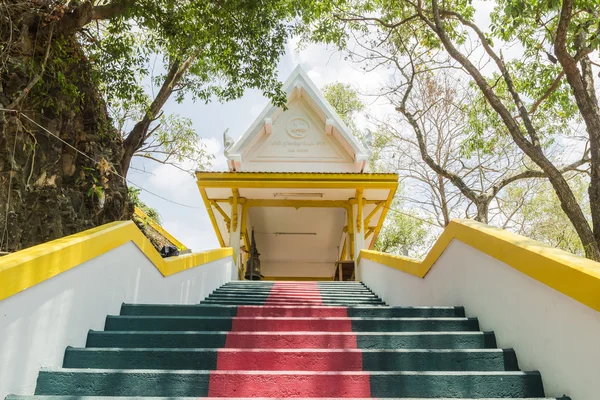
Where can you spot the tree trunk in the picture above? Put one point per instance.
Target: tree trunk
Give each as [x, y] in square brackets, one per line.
[483, 206]
[584, 91]
[443, 200]
[48, 188]
[567, 199]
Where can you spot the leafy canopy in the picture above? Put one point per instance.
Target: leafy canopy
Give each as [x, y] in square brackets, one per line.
[234, 45]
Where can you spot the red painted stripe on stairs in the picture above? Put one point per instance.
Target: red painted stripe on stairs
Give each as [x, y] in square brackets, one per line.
[289, 360]
[282, 292]
[290, 340]
[292, 300]
[291, 311]
[289, 385]
[276, 296]
[291, 324]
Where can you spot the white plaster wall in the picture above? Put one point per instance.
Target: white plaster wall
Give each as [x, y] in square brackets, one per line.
[297, 269]
[37, 324]
[550, 332]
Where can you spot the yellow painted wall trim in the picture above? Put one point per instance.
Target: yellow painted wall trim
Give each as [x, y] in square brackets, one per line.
[26, 268]
[145, 218]
[576, 277]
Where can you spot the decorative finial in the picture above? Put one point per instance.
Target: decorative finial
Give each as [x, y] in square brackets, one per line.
[368, 140]
[228, 142]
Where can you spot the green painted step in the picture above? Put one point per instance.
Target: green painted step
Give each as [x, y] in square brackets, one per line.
[231, 310]
[158, 323]
[258, 302]
[365, 340]
[351, 300]
[300, 296]
[372, 360]
[87, 382]
[331, 289]
[303, 285]
[292, 289]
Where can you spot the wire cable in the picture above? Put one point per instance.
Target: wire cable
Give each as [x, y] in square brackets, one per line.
[96, 162]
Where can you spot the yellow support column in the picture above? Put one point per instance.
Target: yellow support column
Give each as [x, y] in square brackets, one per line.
[350, 229]
[359, 235]
[234, 230]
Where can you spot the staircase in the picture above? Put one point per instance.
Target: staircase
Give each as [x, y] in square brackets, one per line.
[289, 339]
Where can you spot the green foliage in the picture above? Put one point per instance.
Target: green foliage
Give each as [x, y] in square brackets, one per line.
[56, 91]
[541, 217]
[134, 198]
[344, 98]
[235, 45]
[401, 233]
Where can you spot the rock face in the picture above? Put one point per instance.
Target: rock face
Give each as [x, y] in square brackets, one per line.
[47, 188]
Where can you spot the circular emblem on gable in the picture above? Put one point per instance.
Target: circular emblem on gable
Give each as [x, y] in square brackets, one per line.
[297, 128]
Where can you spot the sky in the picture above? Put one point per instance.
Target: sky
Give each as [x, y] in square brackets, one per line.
[190, 225]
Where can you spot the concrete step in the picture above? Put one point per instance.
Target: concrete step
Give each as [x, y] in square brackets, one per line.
[292, 290]
[296, 283]
[276, 294]
[290, 302]
[289, 311]
[294, 299]
[157, 323]
[278, 340]
[296, 286]
[292, 359]
[284, 384]
[39, 397]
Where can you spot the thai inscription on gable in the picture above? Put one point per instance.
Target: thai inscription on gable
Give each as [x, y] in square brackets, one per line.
[298, 146]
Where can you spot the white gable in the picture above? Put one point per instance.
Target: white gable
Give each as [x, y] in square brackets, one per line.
[307, 137]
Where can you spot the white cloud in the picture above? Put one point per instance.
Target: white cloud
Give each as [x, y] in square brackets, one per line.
[213, 146]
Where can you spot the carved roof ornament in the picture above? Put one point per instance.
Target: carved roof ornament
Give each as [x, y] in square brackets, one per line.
[367, 141]
[307, 135]
[228, 142]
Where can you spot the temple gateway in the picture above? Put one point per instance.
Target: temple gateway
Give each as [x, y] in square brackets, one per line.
[298, 178]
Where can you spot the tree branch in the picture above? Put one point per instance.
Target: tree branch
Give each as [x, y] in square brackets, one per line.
[380, 21]
[138, 134]
[537, 174]
[548, 92]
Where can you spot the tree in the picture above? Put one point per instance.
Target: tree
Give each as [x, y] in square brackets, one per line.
[346, 101]
[535, 212]
[64, 64]
[431, 31]
[437, 110]
[402, 233]
[173, 141]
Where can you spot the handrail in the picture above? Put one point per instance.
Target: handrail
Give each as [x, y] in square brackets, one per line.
[574, 276]
[28, 267]
[144, 217]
